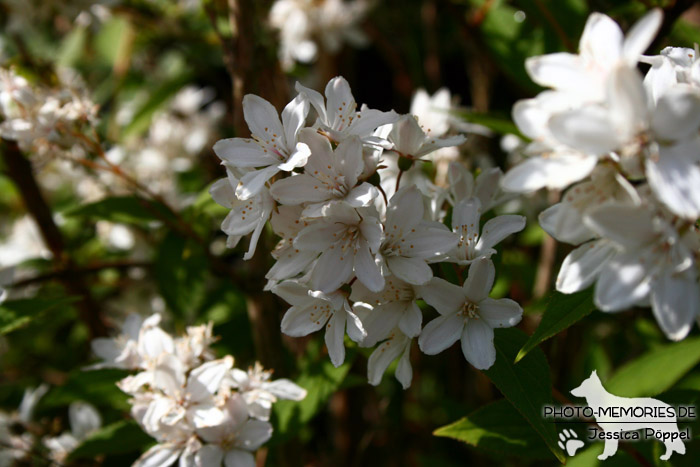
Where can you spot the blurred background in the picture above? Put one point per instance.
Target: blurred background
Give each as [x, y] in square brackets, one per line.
[127, 225]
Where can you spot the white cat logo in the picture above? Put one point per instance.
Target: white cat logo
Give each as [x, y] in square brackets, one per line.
[616, 415]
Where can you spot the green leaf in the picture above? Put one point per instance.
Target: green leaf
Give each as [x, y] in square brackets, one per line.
[181, 270]
[527, 385]
[656, 371]
[122, 209]
[118, 438]
[15, 314]
[562, 311]
[113, 40]
[500, 428]
[72, 47]
[96, 386]
[321, 379]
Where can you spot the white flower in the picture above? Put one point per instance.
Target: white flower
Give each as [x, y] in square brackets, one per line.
[485, 188]
[433, 112]
[174, 442]
[409, 241]
[273, 146]
[564, 220]
[194, 347]
[467, 313]
[394, 307]
[410, 141]
[185, 396]
[666, 135]
[259, 393]
[246, 216]
[348, 240]
[312, 310]
[234, 439]
[602, 48]
[654, 262]
[465, 223]
[338, 116]
[329, 176]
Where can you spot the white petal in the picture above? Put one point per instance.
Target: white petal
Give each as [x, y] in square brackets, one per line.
[160, 455]
[261, 117]
[625, 225]
[366, 269]
[601, 41]
[501, 313]
[477, 344]
[252, 182]
[405, 209]
[446, 298]
[302, 321]
[362, 195]
[335, 332]
[354, 326]
[467, 212]
[315, 98]
[562, 71]
[205, 380]
[294, 117]
[675, 180]
[427, 243]
[380, 321]
[404, 372]
[293, 293]
[641, 35]
[333, 269]
[623, 282]
[242, 152]
[587, 129]
[209, 455]
[319, 236]
[411, 320]
[297, 159]
[254, 434]
[239, 458]
[675, 300]
[583, 265]
[627, 101]
[478, 284]
[380, 360]
[412, 270]
[286, 389]
[677, 114]
[299, 189]
[84, 419]
[440, 333]
[497, 229]
[554, 172]
[349, 156]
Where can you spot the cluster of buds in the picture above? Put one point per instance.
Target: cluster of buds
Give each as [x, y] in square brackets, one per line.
[361, 224]
[631, 146]
[201, 410]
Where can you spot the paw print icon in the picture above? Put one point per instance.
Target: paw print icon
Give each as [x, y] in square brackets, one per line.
[568, 441]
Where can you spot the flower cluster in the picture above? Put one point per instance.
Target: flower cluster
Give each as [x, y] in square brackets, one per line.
[360, 225]
[201, 410]
[305, 26]
[630, 145]
[45, 120]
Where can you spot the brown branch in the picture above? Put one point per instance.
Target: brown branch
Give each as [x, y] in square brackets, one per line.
[20, 171]
[548, 255]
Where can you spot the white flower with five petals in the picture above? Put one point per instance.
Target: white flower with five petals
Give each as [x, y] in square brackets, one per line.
[467, 313]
